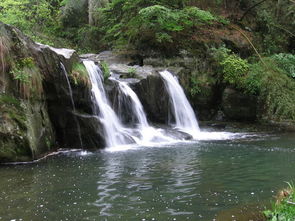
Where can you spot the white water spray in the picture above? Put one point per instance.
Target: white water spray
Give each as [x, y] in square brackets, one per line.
[135, 104]
[148, 134]
[115, 133]
[185, 118]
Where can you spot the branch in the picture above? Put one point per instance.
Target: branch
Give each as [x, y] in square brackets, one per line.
[289, 202]
[250, 42]
[249, 9]
[286, 30]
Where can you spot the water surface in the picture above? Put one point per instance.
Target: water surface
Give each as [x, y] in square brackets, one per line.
[204, 180]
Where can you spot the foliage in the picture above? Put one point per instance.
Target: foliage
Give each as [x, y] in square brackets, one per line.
[18, 69]
[283, 209]
[195, 86]
[79, 74]
[155, 23]
[31, 16]
[9, 100]
[275, 24]
[234, 69]
[278, 94]
[286, 62]
[105, 70]
[131, 72]
[73, 13]
[276, 90]
[28, 77]
[252, 83]
[269, 80]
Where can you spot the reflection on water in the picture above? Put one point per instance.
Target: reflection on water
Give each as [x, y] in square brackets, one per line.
[206, 180]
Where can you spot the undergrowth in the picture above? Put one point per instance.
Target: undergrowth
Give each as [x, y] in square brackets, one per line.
[79, 74]
[28, 78]
[284, 208]
[105, 70]
[271, 79]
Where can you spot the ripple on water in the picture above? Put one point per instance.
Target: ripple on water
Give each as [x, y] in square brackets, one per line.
[199, 180]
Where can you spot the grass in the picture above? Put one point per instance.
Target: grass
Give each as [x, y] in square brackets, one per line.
[4, 49]
[79, 74]
[284, 208]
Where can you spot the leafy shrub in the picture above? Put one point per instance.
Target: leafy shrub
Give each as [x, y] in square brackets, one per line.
[145, 24]
[276, 90]
[286, 62]
[164, 22]
[233, 68]
[252, 82]
[19, 70]
[158, 17]
[31, 17]
[105, 70]
[195, 86]
[193, 16]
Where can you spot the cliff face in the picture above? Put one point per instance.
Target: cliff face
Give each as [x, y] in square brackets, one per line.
[37, 109]
[25, 129]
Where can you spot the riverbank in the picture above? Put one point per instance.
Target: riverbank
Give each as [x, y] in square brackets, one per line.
[284, 207]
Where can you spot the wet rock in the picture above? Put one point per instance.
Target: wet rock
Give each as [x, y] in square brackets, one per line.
[111, 57]
[177, 134]
[26, 132]
[239, 106]
[126, 71]
[37, 115]
[154, 98]
[91, 131]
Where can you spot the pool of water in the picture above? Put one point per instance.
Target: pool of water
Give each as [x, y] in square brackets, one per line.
[221, 179]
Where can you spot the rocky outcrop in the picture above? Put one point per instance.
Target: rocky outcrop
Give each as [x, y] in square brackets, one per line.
[154, 98]
[26, 132]
[239, 106]
[197, 74]
[37, 113]
[144, 80]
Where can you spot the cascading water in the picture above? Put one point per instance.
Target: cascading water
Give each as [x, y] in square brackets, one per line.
[148, 134]
[185, 118]
[135, 104]
[115, 133]
[72, 102]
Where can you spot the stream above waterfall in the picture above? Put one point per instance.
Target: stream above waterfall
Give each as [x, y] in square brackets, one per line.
[221, 179]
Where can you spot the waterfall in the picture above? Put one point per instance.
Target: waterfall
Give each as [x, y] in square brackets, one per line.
[147, 134]
[185, 119]
[115, 133]
[135, 104]
[72, 103]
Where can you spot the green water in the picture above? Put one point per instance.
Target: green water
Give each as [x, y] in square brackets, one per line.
[205, 180]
